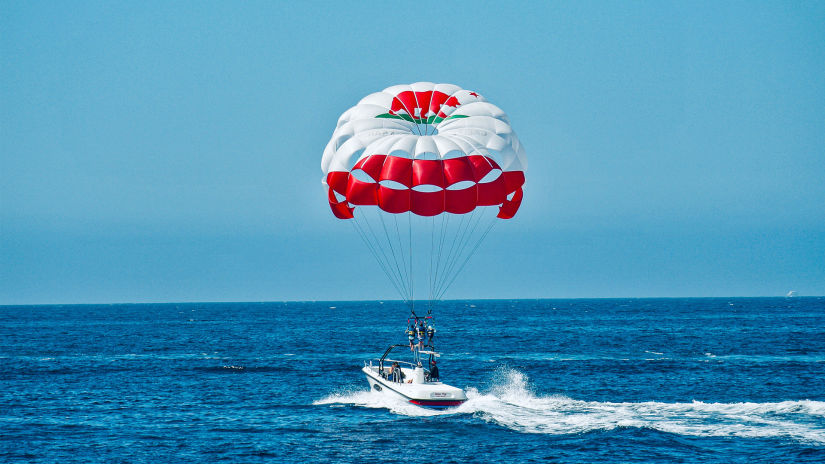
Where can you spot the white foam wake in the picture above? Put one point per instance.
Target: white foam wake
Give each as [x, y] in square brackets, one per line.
[374, 399]
[511, 403]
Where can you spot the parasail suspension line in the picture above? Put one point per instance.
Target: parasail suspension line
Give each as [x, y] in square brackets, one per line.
[445, 220]
[451, 256]
[412, 275]
[402, 281]
[465, 240]
[401, 251]
[472, 252]
[392, 247]
[370, 247]
[432, 252]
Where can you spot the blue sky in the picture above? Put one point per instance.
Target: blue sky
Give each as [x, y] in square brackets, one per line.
[170, 151]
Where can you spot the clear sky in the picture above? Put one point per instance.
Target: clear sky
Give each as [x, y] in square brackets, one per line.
[170, 151]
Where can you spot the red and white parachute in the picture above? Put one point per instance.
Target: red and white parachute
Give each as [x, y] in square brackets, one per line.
[423, 150]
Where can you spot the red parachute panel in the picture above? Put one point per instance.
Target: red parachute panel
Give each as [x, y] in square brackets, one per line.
[438, 174]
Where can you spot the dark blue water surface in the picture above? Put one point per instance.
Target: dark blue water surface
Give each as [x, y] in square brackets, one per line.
[622, 380]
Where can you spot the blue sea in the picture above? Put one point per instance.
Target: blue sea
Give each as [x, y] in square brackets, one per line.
[733, 380]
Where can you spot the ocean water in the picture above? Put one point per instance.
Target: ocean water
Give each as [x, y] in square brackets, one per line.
[608, 380]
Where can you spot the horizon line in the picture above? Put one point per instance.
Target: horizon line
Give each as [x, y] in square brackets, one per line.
[423, 301]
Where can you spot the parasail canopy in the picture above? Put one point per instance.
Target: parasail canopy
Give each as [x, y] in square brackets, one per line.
[424, 148]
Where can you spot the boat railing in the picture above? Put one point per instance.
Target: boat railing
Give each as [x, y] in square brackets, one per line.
[403, 363]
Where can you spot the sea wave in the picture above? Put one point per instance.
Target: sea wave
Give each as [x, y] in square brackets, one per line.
[512, 403]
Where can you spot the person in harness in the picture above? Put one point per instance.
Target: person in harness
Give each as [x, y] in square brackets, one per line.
[419, 334]
[411, 336]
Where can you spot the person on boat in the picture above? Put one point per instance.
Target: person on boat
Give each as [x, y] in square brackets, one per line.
[397, 373]
[416, 334]
[433, 371]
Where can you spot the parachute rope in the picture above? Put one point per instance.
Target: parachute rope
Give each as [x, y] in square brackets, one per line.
[442, 264]
[442, 234]
[403, 269]
[402, 278]
[412, 274]
[467, 259]
[463, 243]
[392, 247]
[363, 236]
[432, 253]
[451, 248]
[453, 255]
[454, 247]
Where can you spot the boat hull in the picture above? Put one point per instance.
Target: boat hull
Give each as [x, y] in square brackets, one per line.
[431, 395]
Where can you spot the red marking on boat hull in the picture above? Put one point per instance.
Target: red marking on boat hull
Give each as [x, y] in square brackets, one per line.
[437, 403]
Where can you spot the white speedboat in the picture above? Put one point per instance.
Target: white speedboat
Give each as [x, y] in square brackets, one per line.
[411, 381]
